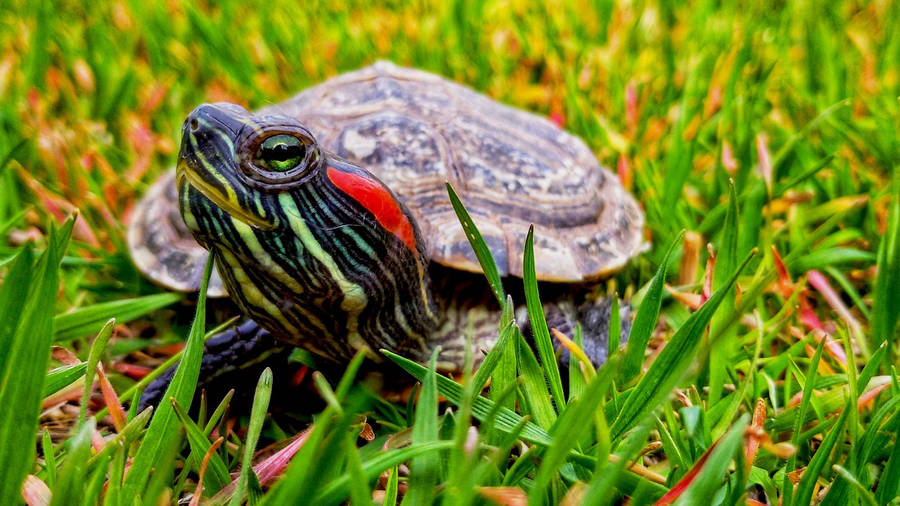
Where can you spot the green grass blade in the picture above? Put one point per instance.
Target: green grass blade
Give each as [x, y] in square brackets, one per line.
[129, 394]
[861, 490]
[495, 355]
[726, 261]
[820, 458]
[163, 475]
[506, 420]
[539, 324]
[502, 356]
[257, 417]
[163, 430]
[872, 366]
[570, 426]
[423, 471]
[61, 377]
[49, 458]
[609, 476]
[129, 434]
[95, 483]
[84, 321]
[672, 362]
[216, 475]
[12, 154]
[805, 402]
[709, 479]
[26, 356]
[71, 486]
[782, 155]
[867, 442]
[116, 473]
[218, 413]
[392, 487]
[337, 490]
[13, 295]
[292, 484]
[579, 375]
[886, 310]
[318, 463]
[537, 402]
[482, 252]
[343, 388]
[645, 319]
[889, 484]
[615, 326]
[97, 349]
[359, 489]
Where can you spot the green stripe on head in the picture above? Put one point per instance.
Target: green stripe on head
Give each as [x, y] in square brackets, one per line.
[315, 249]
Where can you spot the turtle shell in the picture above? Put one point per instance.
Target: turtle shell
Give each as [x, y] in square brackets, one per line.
[416, 131]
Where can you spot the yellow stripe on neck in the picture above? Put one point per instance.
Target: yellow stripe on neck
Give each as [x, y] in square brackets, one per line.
[355, 298]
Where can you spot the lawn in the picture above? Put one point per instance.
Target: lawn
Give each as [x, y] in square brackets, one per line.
[762, 140]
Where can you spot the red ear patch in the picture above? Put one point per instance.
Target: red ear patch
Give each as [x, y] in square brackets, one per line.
[378, 201]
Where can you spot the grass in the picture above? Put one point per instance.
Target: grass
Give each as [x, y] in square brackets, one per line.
[760, 369]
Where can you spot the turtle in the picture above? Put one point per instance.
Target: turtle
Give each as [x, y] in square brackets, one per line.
[331, 227]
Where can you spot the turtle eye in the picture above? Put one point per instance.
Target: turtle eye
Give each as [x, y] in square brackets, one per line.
[280, 153]
[277, 154]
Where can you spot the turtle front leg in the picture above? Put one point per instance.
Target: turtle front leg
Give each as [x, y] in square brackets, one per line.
[236, 356]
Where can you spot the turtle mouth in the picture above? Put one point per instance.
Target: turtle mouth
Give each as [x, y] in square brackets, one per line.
[184, 173]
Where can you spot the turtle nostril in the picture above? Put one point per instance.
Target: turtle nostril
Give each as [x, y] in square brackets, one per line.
[194, 124]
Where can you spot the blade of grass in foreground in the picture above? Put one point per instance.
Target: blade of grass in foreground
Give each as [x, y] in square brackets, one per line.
[497, 364]
[482, 252]
[257, 417]
[423, 470]
[71, 485]
[216, 475]
[26, 355]
[13, 295]
[61, 377]
[570, 426]
[609, 475]
[130, 433]
[712, 468]
[163, 430]
[805, 402]
[886, 310]
[322, 452]
[97, 349]
[539, 324]
[84, 321]
[336, 490]
[726, 261]
[672, 362]
[889, 485]
[645, 320]
[820, 458]
[534, 398]
[507, 421]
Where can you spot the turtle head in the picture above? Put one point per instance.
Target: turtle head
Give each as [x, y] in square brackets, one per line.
[315, 249]
[230, 159]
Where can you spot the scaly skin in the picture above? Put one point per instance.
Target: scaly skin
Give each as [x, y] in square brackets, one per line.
[321, 254]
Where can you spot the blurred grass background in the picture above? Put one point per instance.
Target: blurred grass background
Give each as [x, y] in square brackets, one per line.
[796, 102]
[679, 96]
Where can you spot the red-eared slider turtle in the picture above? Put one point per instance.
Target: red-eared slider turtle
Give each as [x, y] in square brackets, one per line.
[331, 227]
